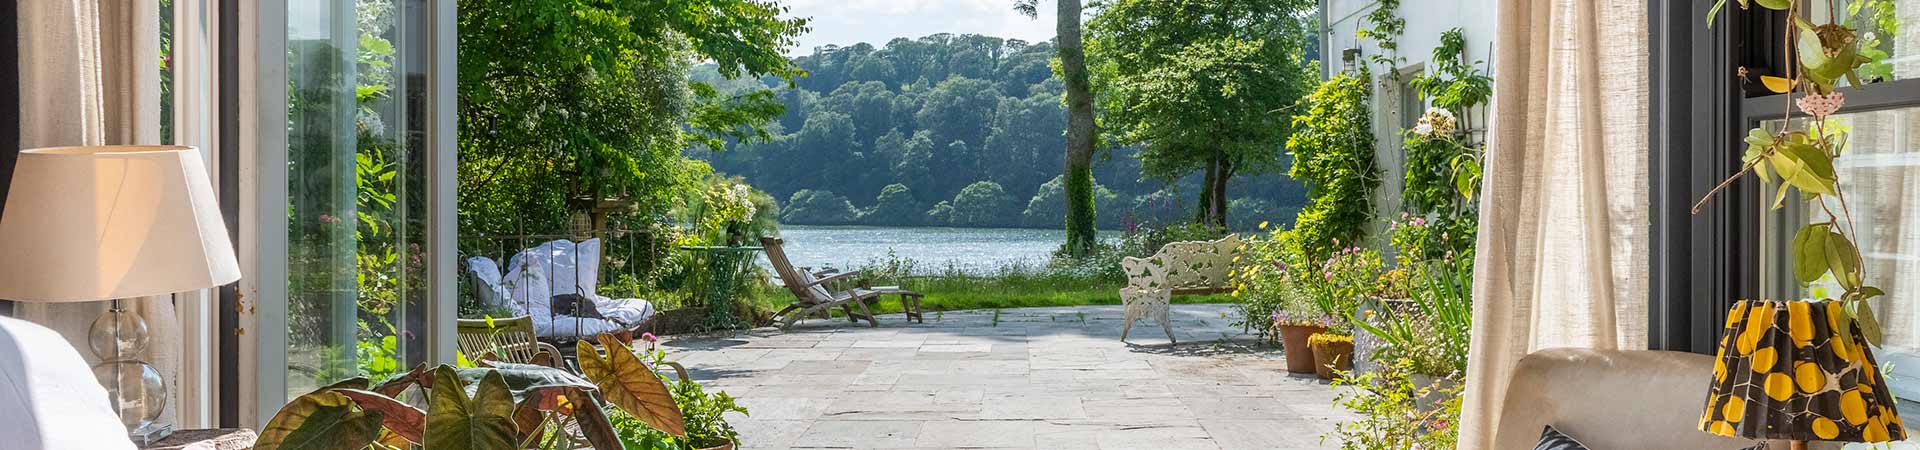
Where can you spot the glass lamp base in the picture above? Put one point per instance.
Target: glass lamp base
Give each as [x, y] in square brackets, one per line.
[149, 433]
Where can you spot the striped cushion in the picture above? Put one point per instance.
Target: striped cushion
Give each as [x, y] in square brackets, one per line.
[1552, 439]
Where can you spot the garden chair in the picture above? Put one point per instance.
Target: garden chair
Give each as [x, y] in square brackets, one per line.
[508, 340]
[811, 294]
[1179, 268]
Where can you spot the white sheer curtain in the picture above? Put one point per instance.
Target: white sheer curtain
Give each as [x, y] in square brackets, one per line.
[1563, 224]
[90, 75]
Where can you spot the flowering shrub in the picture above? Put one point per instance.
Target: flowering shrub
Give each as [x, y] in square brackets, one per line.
[1338, 283]
[1416, 238]
[1389, 402]
[1263, 281]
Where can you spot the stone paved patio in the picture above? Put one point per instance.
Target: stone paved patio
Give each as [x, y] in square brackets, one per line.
[1042, 378]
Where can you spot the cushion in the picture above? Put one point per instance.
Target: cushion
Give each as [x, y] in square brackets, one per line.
[818, 290]
[49, 396]
[1552, 439]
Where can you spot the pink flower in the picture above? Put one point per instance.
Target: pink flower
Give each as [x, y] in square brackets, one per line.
[329, 218]
[649, 337]
[1821, 106]
[1329, 276]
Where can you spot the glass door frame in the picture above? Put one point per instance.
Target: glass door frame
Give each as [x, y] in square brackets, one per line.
[253, 143]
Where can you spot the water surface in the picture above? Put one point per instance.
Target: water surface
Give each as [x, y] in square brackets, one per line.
[976, 250]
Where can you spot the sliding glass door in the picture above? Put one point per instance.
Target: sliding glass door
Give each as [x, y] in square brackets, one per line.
[356, 182]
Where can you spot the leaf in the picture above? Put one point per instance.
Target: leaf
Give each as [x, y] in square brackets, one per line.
[1809, 252]
[1844, 258]
[1777, 5]
[630, 384]
[1814, 169]
[1869, 326]
[456, 422]
[401, 418]
[598, 429]
[1865, 293]
[1714, 13]
[322, 420]
[1776, 84]
[399, 382]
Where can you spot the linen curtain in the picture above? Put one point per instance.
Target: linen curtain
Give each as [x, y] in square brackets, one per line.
[1564, 216]
[90, 75]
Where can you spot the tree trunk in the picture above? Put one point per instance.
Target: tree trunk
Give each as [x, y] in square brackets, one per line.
[1203, 210]
[1073, 64]
[1213, 191]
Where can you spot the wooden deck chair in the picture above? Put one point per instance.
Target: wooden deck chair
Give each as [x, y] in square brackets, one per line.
[509, 340]
[810, 292]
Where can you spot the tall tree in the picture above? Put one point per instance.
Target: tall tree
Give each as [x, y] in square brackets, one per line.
[1202, 85]
[1081, 237]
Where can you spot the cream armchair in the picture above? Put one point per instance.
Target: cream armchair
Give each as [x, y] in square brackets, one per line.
[1612, 400]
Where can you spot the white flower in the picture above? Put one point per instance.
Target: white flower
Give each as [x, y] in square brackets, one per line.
[1433, 110]
[1424, 129]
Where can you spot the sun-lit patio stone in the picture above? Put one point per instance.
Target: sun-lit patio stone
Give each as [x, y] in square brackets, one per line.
[1052, 378]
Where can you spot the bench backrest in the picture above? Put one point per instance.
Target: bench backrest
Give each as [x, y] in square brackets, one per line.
[1185, 265]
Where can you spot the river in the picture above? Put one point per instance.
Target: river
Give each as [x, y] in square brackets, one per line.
[933, 249]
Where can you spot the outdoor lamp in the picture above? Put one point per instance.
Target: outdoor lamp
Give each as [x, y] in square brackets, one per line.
[1798, 371]
[111, 223]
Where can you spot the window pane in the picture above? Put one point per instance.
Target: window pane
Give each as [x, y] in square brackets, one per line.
[1880, 174]
[356, 206]
[1902, 49]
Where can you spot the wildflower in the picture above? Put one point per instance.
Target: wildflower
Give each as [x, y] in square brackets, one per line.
[649, 337]
[1329, 276]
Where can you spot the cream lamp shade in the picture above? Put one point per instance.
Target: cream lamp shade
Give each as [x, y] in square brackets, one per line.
[111, 222]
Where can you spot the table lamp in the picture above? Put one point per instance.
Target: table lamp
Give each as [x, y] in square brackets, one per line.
[112, 223]
[1798, 371]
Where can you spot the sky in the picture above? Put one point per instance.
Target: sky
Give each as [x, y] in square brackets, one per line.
[847, 22]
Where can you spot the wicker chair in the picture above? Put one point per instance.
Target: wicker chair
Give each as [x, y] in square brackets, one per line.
[509, 340]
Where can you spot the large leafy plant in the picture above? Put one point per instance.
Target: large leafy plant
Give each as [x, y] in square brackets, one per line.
[1800, 154]
[501, 406]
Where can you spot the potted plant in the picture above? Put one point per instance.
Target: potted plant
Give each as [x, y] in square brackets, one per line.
[1332, 353]
[1296, 329]
[706, 424]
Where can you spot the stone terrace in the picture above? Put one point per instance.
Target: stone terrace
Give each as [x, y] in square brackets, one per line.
[1042, 378]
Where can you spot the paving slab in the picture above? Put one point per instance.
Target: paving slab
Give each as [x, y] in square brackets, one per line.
[1034, 378]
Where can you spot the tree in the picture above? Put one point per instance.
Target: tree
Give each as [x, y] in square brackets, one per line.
[818, 208]
[983, 204]
[1081, 235]
[1050, 202]
[895, 206]
[1202, 85]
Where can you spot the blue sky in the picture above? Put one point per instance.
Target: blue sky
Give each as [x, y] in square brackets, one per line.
[845, 22]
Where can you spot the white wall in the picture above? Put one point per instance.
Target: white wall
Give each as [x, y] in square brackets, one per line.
[1426, 19]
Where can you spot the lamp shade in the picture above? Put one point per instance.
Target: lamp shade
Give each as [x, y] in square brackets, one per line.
[1798, 370]
[99, 223]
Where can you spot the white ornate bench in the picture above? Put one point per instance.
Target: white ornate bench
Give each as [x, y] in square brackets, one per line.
[1179, 268]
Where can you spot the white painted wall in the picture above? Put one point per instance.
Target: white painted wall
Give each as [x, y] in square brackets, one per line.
[1426, 19]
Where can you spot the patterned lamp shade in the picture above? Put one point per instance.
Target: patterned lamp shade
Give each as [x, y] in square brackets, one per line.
[1798, 370]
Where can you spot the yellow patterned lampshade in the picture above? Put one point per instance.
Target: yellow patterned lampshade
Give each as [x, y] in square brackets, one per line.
[1798, 370]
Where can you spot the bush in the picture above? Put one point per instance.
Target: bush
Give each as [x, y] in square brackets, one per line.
[941, 214]
[818, 207]
[1249, 213]
[895, 206]
[983, 204]
[1389, 402]
[1332, 150]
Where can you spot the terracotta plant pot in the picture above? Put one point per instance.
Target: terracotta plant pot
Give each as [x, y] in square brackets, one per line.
[1293, 339]
[726, 446]
[1330, 355]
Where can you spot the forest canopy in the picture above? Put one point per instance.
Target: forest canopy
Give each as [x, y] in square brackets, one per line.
[912, 125]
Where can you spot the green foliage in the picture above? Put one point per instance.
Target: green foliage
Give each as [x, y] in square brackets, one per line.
[1384, 27]
[935, 114]
[1197, 84]
[1801, 154]
[1336, 285]
[1396, 411]
[818, 208]
[1416, 238]
[348, 416]
[1332, 151]
[1249, 213]
[1049, 204]
[1429, 335]
[895, 206]
[1264, 286]
[983, 203]
[941, 214]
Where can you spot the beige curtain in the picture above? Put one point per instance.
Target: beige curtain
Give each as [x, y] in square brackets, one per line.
[90, 75]
[1563, 222]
